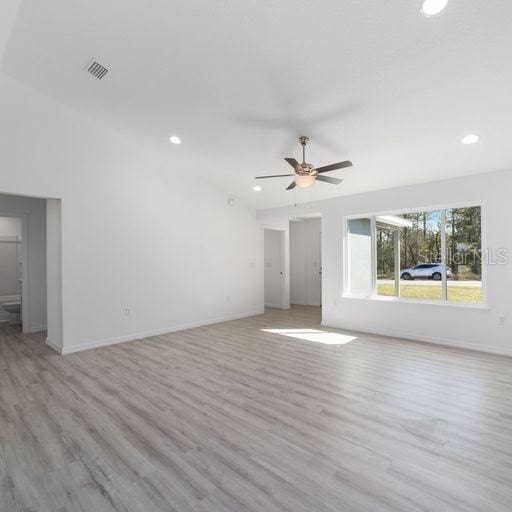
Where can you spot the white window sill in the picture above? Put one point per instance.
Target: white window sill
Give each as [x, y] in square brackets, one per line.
[401, 300]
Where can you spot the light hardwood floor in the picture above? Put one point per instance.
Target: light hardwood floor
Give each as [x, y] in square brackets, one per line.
[229, 417]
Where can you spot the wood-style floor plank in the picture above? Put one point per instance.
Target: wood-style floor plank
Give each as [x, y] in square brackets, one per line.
[231, 417]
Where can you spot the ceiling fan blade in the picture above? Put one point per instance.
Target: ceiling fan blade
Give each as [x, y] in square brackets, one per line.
[334, 167]
[291, 185]
[292, 162]
[328, 179]
[274, 176]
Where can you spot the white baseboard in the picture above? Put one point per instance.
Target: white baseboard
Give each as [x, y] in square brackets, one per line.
[147, 334]
[36, 328]
[278, 306]
[445, 342]
[56, 346]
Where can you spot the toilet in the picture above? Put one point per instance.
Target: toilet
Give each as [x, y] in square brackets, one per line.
[14, 310]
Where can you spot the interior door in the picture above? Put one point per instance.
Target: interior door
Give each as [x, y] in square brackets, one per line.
[320, 268]
[314, 262]
[273, 247]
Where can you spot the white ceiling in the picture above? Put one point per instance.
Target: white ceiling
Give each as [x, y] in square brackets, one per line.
[372, 81]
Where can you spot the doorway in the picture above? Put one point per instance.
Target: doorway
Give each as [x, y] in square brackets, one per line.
[274, 267]
[13, 274]
[30, 266]
[306, 260]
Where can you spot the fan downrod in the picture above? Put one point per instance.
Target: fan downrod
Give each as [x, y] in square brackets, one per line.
[304, 141]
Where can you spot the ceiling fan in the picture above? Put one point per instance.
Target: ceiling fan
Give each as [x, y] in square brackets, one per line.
[306, 174]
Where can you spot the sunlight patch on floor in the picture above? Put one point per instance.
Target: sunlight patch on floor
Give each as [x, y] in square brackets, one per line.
[325, 337]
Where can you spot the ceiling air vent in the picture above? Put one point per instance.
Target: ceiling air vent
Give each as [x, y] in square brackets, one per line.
[96, 69]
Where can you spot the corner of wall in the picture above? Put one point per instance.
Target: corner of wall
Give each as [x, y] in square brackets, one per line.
[56, 346]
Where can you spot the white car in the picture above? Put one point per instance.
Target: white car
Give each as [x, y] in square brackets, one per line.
[425, 271]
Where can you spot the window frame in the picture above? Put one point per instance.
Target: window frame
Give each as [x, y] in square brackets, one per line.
[344, 288]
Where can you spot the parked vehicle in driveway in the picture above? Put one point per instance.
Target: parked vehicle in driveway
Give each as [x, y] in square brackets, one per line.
[425, 271]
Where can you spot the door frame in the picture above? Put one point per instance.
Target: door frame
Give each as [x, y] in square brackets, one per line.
[285, 263]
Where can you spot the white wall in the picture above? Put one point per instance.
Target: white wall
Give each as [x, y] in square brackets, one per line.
[54, 273]
[359, 254]
[472, 327]
[305, 262]
[138, 235]
[34, 211]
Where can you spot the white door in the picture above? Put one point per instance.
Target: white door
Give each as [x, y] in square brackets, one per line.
[320, 268]
[314, 262]
[273, 247]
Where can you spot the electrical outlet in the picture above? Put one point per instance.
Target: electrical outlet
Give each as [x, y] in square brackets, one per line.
[501, 320]
[127, 311]
[227, 298]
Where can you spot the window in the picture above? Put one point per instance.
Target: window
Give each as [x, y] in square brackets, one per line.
[432, 255]
[420, 256]
[387, 251]
[464, 254]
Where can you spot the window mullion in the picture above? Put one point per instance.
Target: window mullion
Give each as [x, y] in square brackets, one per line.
[397, 261]
[444, 282]
[373, 228]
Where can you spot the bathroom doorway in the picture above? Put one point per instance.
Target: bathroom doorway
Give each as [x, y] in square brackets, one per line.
[13, 282]
[30, 268]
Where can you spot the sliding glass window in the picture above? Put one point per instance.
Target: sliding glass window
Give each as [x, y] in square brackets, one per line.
[388, 240]
[431, 255]
[464, 254]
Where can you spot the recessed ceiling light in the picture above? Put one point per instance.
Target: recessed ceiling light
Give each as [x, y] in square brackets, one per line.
[175, 140]
[433, 7]
[257, 188]
[470, 139]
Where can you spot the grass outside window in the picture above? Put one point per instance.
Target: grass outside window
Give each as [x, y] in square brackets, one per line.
[463, 294]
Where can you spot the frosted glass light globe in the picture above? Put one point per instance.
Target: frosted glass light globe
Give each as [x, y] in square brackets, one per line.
[304, 181]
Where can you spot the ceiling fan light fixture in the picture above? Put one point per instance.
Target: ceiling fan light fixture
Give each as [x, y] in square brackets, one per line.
[306, 174]
[304, 181]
